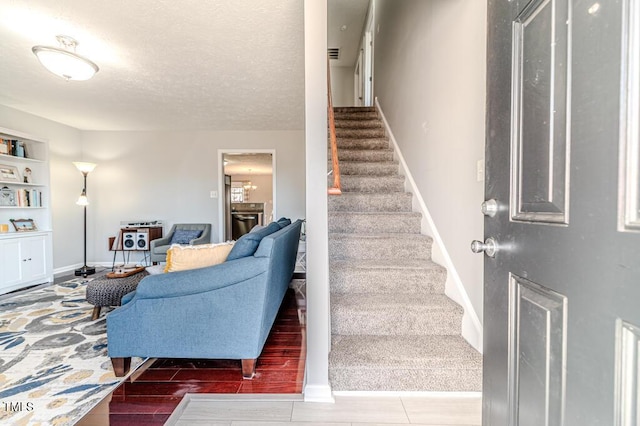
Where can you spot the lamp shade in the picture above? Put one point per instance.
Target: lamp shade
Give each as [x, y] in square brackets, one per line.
[82, 200]
[84, 167]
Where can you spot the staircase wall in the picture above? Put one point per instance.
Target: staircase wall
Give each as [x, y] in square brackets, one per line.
[430, 82]
[454, 288]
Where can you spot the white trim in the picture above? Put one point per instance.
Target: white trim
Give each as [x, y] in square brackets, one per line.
[373, 394]
[471, 326]
[316, 393]
[223, 151]
[64, 270]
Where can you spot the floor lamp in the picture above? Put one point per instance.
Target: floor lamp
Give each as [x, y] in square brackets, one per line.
[85, 169]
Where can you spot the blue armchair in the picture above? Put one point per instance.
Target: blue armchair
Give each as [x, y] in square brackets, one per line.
[224, 311]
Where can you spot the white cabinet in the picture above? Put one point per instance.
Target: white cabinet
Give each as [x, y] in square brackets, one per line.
[25, 260]
[26, 256]
[10, 263]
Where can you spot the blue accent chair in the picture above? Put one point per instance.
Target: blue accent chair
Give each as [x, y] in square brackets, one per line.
[224, 311]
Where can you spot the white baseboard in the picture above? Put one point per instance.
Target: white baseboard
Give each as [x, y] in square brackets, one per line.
[373, 394]
[66, 270]
[69, 269]
[471, 326]
[318, 393]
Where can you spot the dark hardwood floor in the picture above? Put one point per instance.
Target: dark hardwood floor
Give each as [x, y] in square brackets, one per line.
[150, 397]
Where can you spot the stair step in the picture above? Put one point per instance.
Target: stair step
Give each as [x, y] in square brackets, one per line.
[379, 168]
[354, 109]
[394, 314]
[374, 222]
[387, 276]
[371, 202]
[364, 155]
[363, 144]
[379, 246]
[371, 184]
[366, 115]
[401, 363]
[360, 133]
[358, 123]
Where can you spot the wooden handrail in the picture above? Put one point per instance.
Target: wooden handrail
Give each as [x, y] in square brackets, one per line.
[336, 189]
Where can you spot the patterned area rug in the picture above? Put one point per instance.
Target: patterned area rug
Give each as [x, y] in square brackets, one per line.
[53, 359]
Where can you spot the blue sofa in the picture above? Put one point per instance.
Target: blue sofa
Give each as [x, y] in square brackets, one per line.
[224, 311]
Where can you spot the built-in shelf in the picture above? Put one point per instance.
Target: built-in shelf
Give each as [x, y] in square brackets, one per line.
[4, 182]
[25, 256]
[22, 159]
[21, 207]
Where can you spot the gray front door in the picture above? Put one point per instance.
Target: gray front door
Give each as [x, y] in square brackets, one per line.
[562, 294]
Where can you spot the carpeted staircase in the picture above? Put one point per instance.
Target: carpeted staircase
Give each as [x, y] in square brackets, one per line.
[393, 328]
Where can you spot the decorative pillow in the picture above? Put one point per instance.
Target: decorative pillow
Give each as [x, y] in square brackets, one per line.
[184, 236]
[283, 221]
[248, 243]
[181, 258]
[257, 228]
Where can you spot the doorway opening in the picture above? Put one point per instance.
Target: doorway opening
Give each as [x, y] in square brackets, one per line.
[248, 188]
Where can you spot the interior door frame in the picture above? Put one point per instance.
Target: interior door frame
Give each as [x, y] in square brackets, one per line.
[367, 68]
[221, 152]
[358, 82]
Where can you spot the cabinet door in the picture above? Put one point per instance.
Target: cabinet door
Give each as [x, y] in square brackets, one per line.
[10, 263]
[33, 258]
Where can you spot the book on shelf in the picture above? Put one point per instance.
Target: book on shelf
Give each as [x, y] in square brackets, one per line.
[29, 198]
[13, 147]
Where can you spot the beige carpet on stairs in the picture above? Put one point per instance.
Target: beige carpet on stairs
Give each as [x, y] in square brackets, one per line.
[393, 328]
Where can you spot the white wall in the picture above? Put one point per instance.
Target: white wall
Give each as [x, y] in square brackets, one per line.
[342, 86]
[66, 181]
[169, 176]
[430, 82]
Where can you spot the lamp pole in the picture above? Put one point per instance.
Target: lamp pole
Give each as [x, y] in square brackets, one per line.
[85, 168]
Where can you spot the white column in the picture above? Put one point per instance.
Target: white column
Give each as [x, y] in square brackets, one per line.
[317, 386]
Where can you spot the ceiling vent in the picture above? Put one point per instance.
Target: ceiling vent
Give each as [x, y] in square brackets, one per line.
[334, 53]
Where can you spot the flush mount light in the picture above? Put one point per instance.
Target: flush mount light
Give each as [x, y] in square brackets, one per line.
[63, 61]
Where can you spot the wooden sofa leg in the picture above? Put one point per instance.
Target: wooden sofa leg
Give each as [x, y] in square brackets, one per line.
[96, 313]
[248, 368]
[121, 366]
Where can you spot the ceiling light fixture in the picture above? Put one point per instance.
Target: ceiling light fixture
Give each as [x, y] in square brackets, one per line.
[63, 61]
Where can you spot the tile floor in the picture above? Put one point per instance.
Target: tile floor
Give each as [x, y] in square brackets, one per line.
[274, 410]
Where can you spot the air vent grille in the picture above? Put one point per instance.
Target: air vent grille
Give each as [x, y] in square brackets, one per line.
[334, 53]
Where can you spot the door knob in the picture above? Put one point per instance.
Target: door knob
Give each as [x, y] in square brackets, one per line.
[489, 208]
[489, 247]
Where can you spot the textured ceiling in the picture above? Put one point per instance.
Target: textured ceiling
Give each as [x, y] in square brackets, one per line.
[164, 64]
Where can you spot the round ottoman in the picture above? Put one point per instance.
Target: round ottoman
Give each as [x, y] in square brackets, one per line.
[109, 291]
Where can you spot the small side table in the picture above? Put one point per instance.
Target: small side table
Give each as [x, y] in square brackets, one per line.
[300, 271]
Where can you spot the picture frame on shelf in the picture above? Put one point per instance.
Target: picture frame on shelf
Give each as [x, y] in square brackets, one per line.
[9, 173]
[24, 225]
[7, 197]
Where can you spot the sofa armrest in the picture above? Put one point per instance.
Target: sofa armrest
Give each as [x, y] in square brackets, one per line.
[205, 238]
[182, 283]
[164, 241]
